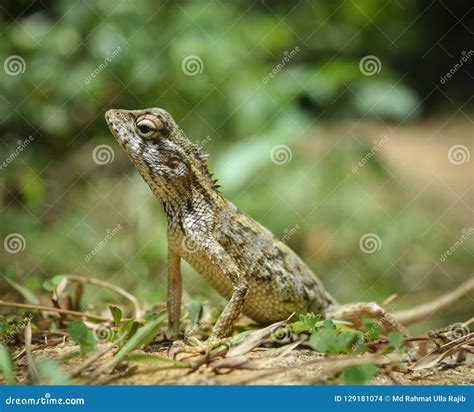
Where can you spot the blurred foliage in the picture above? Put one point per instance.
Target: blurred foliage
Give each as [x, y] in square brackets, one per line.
[64, 204]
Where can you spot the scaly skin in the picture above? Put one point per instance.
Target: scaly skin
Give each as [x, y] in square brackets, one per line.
[258, 274]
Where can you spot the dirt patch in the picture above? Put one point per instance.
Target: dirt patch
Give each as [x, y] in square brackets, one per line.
[259, 367]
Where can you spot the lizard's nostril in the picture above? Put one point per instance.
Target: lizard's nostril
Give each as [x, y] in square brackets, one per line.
[109, 113]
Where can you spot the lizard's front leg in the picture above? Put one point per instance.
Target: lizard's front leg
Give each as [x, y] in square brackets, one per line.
[218, 257]
[231, 312]
[174, 293]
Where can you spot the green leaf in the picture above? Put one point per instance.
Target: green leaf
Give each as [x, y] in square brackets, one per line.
[152, 358]
[29, 296]
[6, 366]
[359, 375]
[322, 340]
[395, 340]
[116, 313]
[329, 339]
[155, 315]
[328, 323]
[50, 371]
[195, 310]
[372, 328]
[52, 283]
[129, 328]
[141, 337]
[152, 316]
[306, 323]
[348, 342]
[77, 331]
[80, 334]
[89, 344]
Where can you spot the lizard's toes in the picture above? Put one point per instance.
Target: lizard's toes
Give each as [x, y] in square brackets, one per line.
[193, 347]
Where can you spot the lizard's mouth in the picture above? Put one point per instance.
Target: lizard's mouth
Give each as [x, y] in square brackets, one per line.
[121, 124]
[112, 117]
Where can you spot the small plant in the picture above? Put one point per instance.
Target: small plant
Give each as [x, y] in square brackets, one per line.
[329, 338]
[80, 334]
[395, 340]
[307, 323]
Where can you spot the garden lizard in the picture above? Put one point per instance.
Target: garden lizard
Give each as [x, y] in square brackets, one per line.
[258, 274]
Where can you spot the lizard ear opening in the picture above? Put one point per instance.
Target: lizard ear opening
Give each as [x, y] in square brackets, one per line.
[173, 162]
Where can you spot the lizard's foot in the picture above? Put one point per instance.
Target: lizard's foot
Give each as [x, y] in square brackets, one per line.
[356, 312]
[194, 347]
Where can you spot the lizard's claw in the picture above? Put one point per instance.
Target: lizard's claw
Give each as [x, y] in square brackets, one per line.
[195, 347]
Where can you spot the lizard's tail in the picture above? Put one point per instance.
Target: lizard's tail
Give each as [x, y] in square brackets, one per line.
[421, 312]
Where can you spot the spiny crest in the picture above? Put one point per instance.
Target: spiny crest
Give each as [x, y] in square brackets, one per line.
[201, 159]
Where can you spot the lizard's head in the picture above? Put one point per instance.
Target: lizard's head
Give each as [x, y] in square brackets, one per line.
[160, 151]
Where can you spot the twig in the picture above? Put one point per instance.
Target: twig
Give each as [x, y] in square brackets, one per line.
[32, 370]
[436, 356]
[390, 299]
[51, 309]
[52, 342]
[115, 288]
[425, 310]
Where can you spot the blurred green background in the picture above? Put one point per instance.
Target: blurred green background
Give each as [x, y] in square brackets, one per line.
[241, 78]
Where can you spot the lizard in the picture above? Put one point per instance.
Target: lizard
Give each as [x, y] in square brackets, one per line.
[258, 275]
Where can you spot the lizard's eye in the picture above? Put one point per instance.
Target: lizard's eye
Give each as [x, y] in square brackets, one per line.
[146, 127]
